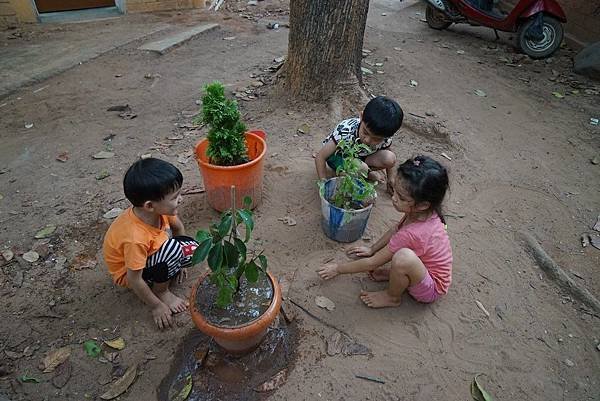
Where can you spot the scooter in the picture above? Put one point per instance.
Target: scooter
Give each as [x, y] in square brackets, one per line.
[538, 23]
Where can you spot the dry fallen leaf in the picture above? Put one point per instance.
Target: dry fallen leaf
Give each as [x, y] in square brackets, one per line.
[13, 355]
[121, 385]
[477, 391]
[335, 343]
[112, 213]
[597, 225]
[31, 256]
[54, 358]
[287, 220]
[62, 374]
[7, 254]
[324, 302]
[63, 157]
[103, 155]
[117, 343]
[185, 391]
[480, 306]
[585, 240]
[45, 232]
[274, 382]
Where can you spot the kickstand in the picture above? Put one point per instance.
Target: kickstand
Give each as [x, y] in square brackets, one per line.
[497, 36]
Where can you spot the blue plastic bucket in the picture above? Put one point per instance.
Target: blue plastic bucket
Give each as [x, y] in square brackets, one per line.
[342, 225]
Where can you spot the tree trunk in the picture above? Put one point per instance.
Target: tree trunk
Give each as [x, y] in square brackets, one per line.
[325, 46]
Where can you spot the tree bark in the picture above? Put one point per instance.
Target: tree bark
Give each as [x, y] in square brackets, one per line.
[325, 46]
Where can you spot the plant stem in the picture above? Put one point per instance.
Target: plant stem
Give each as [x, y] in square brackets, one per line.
[233, 213]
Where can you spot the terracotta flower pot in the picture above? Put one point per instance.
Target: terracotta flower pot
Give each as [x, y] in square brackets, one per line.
[240, 339]
[246, 177]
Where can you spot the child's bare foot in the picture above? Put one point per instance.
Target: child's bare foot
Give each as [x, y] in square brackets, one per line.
[380, 274]
[175, 304]
[376, 176]
[379, 299]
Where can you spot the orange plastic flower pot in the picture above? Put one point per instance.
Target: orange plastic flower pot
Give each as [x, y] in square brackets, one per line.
[241, 339]
[246, 177]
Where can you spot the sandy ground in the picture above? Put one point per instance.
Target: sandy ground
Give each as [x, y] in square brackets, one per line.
[520, 160]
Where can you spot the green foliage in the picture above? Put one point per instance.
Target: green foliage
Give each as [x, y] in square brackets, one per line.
[353, 189]
[227, 254]
[226, 140]
[91, 348]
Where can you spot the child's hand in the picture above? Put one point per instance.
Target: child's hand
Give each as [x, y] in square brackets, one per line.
[162, 316]
[182, 276]
[360, 252]
[328, 271]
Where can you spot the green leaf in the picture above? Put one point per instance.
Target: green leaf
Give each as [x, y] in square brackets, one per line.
[201, 235]
[202, 251]
[263, 262]
[231, 254]
[45, 232]
[251, 272]
[478, 393]
[215, 257]
[246, 217]
[241, 247]
[224, 297]
[225, 225]
[247, 201]
[28, 379]
[239, 272]
[91, 348]
[184, 393]
[233, 282]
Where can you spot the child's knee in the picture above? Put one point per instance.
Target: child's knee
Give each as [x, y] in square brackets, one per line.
[388, 158]
[404, 258]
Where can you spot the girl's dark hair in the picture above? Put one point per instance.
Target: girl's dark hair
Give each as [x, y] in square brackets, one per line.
[151, 179]
[426, 180]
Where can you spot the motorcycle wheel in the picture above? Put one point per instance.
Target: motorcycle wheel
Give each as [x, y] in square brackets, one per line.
[553, 36]
[436, 19]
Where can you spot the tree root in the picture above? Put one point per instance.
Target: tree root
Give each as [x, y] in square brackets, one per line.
[556, 273]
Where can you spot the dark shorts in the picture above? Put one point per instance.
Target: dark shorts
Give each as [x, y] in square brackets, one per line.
[175, 254]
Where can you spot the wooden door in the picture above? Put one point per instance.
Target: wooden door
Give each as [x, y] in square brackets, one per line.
[46, 6]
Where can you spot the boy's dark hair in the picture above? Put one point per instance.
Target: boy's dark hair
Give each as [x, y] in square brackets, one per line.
[426, 180]
[383, 116]
[150, 179]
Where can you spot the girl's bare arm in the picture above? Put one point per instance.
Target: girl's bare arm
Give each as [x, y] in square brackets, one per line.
[331, 270]
[385, 238]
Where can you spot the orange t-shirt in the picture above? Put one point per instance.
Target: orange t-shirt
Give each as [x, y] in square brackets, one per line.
[129, 241]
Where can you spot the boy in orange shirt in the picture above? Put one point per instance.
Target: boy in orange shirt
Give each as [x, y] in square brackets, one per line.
[145, 248]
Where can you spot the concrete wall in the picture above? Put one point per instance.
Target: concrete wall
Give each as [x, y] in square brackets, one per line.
[8, 16]
[14, 12]
[583, 17]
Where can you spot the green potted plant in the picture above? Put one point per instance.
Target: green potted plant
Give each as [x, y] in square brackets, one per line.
[347, 200]
[229, 155]
[237, 299]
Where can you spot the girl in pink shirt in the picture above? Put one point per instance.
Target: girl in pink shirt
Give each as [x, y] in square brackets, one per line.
[418, 246]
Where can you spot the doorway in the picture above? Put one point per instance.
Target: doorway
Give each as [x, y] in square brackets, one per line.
[47, 6]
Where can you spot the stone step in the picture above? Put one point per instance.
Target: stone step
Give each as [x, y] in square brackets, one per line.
[164, 45]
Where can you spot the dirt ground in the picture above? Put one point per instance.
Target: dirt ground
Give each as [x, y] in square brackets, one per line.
[520, 161]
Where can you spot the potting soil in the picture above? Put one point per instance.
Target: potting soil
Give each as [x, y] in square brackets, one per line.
[251, 301]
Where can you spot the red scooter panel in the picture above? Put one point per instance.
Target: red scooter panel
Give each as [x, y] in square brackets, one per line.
[510, 23]
[550, 7]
